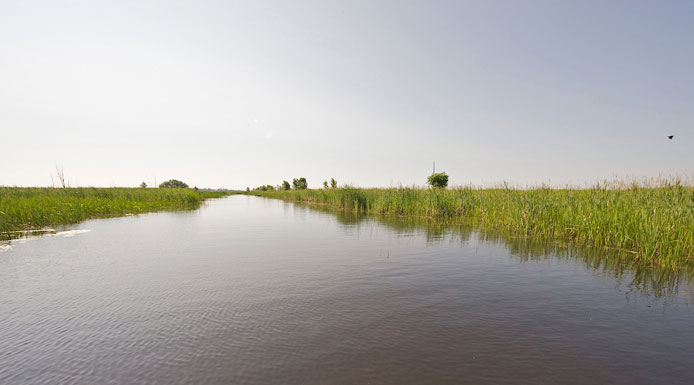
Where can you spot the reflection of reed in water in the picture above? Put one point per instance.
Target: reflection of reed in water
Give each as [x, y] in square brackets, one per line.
[642, 278]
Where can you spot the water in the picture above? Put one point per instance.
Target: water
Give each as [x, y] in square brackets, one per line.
[255, 291]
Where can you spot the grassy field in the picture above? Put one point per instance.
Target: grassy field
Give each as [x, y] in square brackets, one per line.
[24, 209]
[651, 224]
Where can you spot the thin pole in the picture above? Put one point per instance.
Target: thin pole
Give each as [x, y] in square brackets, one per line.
[434, 169]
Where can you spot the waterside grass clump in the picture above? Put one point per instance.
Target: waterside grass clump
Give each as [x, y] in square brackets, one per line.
[653, 224]
[23, 209]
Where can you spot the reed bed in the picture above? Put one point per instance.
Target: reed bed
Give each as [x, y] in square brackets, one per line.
[653, 224]
[23, 209]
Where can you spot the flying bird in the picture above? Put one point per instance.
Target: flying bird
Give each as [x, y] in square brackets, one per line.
[670, 136]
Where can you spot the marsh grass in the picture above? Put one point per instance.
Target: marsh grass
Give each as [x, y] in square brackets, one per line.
[649, 222]
[641, 279]
[23, 209]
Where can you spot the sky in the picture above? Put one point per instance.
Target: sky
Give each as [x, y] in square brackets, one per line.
[244, 93]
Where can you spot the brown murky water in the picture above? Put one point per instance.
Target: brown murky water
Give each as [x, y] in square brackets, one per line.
[255, 291]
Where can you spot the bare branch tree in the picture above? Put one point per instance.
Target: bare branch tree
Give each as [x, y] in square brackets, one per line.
[61, 175]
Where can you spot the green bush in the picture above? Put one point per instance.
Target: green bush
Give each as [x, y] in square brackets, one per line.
[438, 180]
[173, 183]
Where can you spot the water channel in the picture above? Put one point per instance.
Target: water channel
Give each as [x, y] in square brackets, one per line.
[249, 290]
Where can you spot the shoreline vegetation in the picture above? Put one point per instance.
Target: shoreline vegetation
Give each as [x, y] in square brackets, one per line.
[650, 224]
[23, 209]
[646, 279]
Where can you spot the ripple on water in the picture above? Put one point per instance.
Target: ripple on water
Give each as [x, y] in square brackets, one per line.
[253, 291]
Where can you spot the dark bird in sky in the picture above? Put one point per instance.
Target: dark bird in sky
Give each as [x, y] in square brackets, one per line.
[670, 136]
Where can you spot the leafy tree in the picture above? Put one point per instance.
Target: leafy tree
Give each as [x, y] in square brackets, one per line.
[143, 185]
[286, 185]
[333, 183]
[300, 184]
[265, 187]
[438, 180]
[173, 183]
[325, 184]
[248, 189]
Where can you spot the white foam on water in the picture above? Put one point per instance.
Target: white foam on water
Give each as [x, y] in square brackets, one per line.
[38, 231]
[69, 233]
[38, 234]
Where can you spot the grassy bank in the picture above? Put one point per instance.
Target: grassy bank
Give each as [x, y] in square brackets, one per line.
[644, 278]
[653, 225]
[24, 209]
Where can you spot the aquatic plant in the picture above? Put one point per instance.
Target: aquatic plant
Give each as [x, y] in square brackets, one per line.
[643, 278]
[653, 223]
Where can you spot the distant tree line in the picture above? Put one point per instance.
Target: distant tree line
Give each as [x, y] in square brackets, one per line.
[297, 184]
[435, 180]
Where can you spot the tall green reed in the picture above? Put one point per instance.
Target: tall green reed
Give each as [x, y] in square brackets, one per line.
[33, 208]
[654, 223]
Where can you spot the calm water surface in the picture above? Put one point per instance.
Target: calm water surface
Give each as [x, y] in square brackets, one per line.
[255, 291]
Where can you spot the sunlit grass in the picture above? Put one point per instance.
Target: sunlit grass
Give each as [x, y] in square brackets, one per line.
[33, 208]
[653, 222]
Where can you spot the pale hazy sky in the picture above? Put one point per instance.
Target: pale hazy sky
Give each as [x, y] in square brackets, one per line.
[243, 93]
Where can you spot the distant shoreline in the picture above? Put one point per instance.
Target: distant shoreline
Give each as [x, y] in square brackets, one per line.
[26, 209]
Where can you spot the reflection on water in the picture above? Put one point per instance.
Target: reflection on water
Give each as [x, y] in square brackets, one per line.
[643, 279]
[255, 291]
